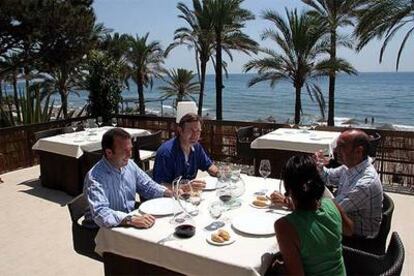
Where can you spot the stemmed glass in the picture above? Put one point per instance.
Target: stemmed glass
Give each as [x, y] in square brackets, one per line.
[225, 195]
[265, 168]
[74, 126]
[99, 121]
[114, 122]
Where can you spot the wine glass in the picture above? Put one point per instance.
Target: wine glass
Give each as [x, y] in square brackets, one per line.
[265, 168]
[74, 126]
[114, 122]
[225, 196]
[195, 195]
[215, 209]
[99, 121]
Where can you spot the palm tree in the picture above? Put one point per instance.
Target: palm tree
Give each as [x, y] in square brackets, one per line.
[116, 45]
[199, 36]
[384, 19]
[301, 44]
[180, 85]
[228, 18]
[145, 60]
[334, 14]
[9, 71]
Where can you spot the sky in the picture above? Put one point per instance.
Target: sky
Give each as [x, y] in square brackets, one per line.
[160, 19]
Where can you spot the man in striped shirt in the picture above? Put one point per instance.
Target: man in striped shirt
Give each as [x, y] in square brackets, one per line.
[360, 191]
[111, 185]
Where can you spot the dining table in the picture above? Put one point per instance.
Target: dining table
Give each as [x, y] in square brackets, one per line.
[62, 157]
[249, 251]
[283, 143]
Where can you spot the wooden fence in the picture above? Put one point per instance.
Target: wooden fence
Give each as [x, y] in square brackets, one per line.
[395, 158]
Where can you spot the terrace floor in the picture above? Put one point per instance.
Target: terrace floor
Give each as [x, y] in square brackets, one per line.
[36, 238]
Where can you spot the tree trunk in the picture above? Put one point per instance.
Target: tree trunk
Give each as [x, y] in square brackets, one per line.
[202, 82]
[332, 73]
[64, 100]
[140, 87]
[298, 104]
[16, 97]
[219, 78]
[1, 91]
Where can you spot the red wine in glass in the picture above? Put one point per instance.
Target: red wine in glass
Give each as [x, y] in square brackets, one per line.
[225, 198]
[185, 196]
[185, 231]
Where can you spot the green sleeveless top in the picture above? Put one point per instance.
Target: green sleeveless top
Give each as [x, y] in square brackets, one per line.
[320, 237]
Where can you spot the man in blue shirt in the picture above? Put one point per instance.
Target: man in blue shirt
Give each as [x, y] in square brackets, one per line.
[111, 185]
[183, 155]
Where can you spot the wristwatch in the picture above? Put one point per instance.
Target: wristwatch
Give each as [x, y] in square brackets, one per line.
[128, 220]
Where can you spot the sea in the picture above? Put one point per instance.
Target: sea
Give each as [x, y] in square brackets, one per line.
[380, 99]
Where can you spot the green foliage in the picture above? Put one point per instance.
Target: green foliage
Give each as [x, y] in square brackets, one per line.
[179, 84]
[36, 109]
[145, 61]
[383, 19]
[334, 14]
[198, 35]
[104, 82]
[299, 38]
[228, 18]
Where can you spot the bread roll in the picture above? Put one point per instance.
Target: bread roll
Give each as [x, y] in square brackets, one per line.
[261, 198]
[224, 234]
[216, 238]
[260, 203]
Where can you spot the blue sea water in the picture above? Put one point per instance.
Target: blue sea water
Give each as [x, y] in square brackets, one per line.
[388, 97]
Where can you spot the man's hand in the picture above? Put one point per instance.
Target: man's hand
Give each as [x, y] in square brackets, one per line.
[278, 199]
[144, 221]
[168, 193]
[321, 159]
[198, 184]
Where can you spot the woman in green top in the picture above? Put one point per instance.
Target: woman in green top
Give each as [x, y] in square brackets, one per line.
[310, 237]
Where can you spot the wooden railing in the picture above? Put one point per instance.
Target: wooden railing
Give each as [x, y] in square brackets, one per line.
[395, 157]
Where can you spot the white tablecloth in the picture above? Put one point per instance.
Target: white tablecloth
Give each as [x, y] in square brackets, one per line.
[74, 144]
[297, 140]
[248, 255]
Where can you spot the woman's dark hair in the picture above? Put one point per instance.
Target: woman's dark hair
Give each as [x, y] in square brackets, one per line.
[301, 178]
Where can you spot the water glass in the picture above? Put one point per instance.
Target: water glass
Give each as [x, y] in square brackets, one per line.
[235, 172]
[215, 209]
[195, 197]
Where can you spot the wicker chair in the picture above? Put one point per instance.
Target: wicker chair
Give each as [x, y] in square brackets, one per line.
[145, 148]
[244, 138]
[88, 160]
[358, 262]
[377, 244]
[47, 133]
[83, 237]
[374, 144]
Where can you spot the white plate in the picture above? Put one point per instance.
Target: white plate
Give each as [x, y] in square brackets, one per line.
[315, 138]
[230, 241]
[259, 207]
[160, 206]
[211, 183]
[256, 223]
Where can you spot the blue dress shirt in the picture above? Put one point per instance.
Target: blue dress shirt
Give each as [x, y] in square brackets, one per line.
[170, 162]
[111, 192]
